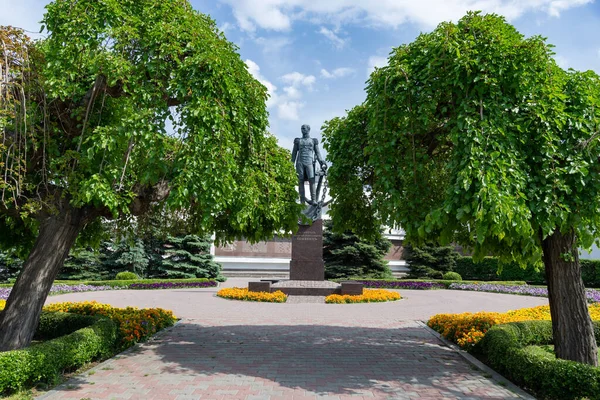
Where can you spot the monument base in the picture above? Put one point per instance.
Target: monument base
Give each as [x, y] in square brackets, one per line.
[307, 253]
[307, 288]
[307, 270]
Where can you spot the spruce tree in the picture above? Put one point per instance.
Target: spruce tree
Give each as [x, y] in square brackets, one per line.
[348, 256]
[429, 261]
[84, 265]
[10, 266]
[188, 257]
[126, 256]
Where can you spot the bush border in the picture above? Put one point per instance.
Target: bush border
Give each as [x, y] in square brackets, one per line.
[507, 349]
[46, 361]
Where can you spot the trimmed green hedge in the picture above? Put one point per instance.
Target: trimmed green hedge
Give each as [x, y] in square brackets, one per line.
[145, 281]
[443, 282]
[486, 270]
[46, 361]
[511, 349]
[57, 324]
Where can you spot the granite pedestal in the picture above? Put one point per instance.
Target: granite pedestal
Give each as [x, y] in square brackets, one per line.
[307, 253]
[307, 269]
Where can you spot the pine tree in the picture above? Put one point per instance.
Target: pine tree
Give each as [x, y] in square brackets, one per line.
[347, 255]
[188, 257]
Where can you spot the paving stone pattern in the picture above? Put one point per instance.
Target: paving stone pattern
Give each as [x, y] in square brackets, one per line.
[226, 349]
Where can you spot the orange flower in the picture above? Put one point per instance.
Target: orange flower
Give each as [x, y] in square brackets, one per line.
[467, 329]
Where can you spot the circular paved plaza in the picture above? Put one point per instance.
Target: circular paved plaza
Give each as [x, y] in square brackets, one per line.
[303, 349]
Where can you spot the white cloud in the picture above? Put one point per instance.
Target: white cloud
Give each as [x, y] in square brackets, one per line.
[226, 27]
[288, 110]
[555, 7]
[292, 92]
[289, 103]
[375, 62]
[337, 41]
[298, 79]
[254, 69]
[279, 14]
[336, 73]
[273, 44]
[249, 14]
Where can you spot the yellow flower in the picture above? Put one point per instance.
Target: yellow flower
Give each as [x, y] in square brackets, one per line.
[236, 293]
[467, 329]
[368, 296]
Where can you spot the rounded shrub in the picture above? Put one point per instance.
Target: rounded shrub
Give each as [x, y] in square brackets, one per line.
[452, 276]
[126, 276]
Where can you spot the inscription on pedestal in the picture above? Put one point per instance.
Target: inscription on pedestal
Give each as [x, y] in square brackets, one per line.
[307, 253]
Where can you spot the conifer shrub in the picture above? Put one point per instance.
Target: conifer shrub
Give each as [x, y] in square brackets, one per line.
[347, 255]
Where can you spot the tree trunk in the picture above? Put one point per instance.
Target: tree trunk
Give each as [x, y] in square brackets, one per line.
[571, 322]
[57, 234]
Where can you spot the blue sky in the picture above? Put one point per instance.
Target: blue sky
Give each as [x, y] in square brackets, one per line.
[314, 56]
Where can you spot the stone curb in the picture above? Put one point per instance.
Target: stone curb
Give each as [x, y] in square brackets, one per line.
[501, 380]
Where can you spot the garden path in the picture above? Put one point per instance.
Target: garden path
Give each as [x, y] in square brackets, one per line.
[225, 349]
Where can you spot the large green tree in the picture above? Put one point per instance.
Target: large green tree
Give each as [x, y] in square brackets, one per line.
[473, 134]
[124, 105]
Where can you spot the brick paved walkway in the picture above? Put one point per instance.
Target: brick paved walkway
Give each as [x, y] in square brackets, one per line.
[226, 349]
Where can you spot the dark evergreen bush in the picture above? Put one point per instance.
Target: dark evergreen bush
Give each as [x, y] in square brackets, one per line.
[428, 261]
[346, 255]
[10, 266]
[188, 257]
[84, 265]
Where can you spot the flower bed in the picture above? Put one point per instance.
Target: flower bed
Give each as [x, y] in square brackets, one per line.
[593, 296]
[150, 283]
[368, 296]
[103, 331]
[172, 285]
[517, 351]
[134, 325]
[140, 284]
[416, 285]
[236, 293]
[467, 329]
[61, 289]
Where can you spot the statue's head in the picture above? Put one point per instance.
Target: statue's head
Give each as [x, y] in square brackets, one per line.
[305, 130]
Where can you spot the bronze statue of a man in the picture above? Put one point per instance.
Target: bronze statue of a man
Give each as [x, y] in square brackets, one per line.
[305, 153]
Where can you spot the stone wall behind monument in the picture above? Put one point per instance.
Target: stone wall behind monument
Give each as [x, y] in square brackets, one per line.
[281, 247]
[278, 247]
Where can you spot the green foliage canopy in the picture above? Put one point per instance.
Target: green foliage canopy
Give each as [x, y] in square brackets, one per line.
[129, 103]
[472, 134]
